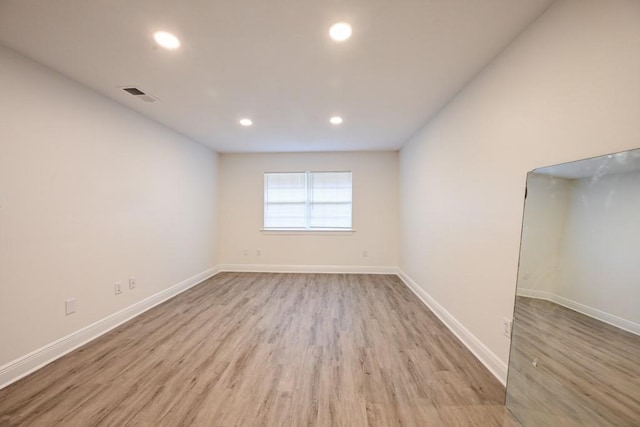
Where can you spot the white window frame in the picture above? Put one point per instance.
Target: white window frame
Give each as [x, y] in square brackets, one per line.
[308, 206]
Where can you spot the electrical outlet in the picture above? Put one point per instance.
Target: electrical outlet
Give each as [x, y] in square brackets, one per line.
[70, 306]
[245, 252]
[132, 282]
[365, 254]
[506, 327]
[118, 288]
[258, 252]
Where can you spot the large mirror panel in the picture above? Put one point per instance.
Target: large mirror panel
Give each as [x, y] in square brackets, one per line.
[575, 346]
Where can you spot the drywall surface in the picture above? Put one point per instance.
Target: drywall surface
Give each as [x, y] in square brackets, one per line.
[600, 262]
[90, 193]
[542, 232]
[375, 212]
[567, 88]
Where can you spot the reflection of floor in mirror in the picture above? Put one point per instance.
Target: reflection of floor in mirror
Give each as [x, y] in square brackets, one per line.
[569, 369]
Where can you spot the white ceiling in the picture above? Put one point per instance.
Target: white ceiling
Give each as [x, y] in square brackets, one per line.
[273, 61]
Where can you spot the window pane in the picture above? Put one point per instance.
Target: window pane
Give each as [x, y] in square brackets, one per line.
[331, 215]
[285, 215]
[285, 200]
[330, 200]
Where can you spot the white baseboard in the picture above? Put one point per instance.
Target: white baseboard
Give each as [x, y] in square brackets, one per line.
[266, 268]
[600, 315]
[25, 365]
[28, 363]
[492, 362]
[534, 293]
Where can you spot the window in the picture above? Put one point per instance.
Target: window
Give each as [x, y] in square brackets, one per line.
[307, 200]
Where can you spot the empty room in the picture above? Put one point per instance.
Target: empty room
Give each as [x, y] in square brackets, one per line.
[340, 213]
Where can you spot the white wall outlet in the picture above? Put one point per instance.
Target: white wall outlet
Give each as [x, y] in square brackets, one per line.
[132, 282]
[70, 306]
[365, 254]
[245, 252]
[258, 252]
[506, 327]
[118, 288]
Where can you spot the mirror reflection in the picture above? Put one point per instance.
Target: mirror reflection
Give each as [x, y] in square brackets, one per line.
[575, 346]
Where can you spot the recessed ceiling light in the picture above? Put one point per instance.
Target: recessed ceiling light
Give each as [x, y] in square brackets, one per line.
[166, 40]
[335, 120]
[340, 31]
[246, 122]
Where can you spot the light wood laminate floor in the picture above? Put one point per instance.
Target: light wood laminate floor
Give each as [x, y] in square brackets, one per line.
[256, 349]
[568, 369]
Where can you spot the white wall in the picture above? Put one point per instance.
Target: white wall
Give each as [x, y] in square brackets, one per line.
[599, 251]
[375, 217]
[567, 88]
[90, 193]
[543, 229]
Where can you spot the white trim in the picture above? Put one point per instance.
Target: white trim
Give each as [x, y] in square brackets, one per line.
[534, 293]
[348, 269]
[24, 365]
[29, 363]
[489, 359]
[308, 232]
[600, 315]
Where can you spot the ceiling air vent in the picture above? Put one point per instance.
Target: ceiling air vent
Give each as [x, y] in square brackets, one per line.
[139, 94]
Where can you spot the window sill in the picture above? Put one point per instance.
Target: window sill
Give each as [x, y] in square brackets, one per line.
[299, 232]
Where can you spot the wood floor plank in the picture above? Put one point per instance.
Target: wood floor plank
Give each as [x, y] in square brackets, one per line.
[264, 349]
